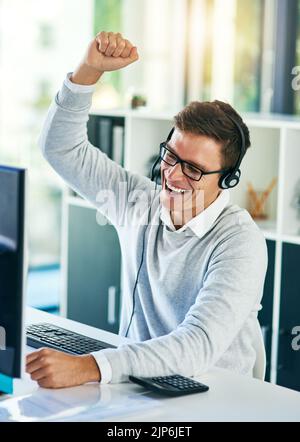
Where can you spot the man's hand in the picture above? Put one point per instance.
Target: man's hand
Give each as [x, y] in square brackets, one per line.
[107, 52]
[110, 52]
[54, 369]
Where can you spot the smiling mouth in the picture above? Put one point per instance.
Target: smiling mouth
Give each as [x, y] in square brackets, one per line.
[173, 189]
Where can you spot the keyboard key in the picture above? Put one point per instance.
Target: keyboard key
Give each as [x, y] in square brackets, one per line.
[42, 335]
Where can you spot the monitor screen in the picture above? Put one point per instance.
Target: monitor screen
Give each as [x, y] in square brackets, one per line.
[12, 269]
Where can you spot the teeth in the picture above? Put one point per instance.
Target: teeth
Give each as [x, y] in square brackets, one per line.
[174, 189]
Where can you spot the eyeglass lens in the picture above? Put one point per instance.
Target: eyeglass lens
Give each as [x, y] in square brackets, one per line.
[171, 159]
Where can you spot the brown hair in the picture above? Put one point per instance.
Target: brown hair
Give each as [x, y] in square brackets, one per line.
[209, 118]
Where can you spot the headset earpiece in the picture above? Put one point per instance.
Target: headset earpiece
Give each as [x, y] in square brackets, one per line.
[230, 180]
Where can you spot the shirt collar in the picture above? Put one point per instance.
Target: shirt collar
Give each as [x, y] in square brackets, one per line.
[202, 223]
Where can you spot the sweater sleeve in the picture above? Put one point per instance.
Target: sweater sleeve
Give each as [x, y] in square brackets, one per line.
[84, 167]
[233, 286]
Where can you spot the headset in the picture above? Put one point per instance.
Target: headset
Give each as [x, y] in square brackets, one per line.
[228, 180]
[231, 179]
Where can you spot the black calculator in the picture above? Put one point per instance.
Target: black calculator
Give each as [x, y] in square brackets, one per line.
[174, 385]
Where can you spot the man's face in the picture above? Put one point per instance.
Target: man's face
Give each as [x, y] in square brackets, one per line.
[204, 153]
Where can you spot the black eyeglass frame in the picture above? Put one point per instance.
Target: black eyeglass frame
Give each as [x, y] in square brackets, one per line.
[182, 162]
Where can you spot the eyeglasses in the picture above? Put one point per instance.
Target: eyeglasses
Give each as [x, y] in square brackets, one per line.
[189, 170]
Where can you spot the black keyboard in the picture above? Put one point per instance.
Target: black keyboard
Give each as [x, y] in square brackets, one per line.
[48, 335]
[174, 385]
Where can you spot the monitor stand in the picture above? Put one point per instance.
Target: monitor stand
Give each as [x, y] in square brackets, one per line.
[6, 384]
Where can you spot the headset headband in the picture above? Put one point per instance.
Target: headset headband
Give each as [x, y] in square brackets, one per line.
[243, 144]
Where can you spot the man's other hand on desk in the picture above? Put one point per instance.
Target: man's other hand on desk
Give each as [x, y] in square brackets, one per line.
[54, 369]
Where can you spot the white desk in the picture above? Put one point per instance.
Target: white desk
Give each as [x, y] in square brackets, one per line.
[230, 398]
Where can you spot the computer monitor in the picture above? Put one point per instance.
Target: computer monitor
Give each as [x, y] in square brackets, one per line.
[13, 271]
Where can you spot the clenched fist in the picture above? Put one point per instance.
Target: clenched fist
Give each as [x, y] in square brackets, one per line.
[113, 52]
[107, 52]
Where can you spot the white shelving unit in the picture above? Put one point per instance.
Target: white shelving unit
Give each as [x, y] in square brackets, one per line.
[275, 152]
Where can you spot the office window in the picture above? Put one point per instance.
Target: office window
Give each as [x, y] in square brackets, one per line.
[208, 51]
[248, 50]
[225, 62]
[157, 28]
[107, 17]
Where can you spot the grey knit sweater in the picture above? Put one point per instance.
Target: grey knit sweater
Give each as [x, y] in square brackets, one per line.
[198, 295]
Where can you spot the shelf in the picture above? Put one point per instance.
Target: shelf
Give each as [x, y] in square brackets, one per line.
[136, 113]
[269, 235]
[291, 239]
[267, 120]
[260, 166]
[269, 229]
[259, 120]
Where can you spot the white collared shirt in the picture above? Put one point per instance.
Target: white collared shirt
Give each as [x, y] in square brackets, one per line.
[201, 223]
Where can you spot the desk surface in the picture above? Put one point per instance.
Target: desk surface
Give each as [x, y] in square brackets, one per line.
[231, 397]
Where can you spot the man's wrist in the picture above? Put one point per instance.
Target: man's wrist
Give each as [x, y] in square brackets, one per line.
[90, 369]
[85, 75]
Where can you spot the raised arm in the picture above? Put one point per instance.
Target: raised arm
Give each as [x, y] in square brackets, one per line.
[64, 141]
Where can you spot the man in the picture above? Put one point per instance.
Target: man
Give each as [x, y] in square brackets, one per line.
[194, 266]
